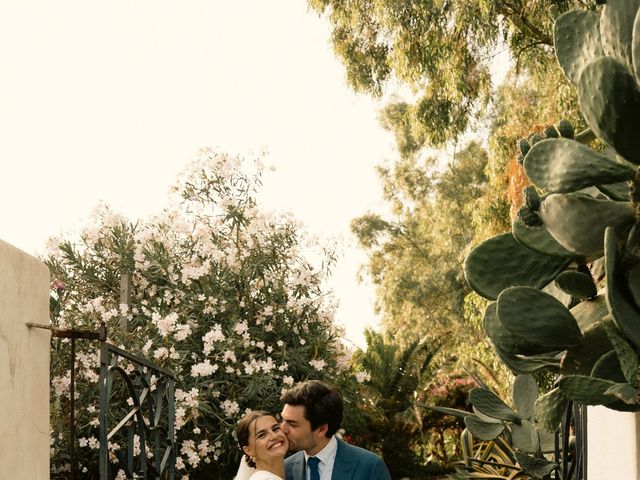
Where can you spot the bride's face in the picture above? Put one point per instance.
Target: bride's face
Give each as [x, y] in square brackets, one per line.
[266, 440]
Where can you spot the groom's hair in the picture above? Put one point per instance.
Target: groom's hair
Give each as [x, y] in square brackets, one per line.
[322, 404]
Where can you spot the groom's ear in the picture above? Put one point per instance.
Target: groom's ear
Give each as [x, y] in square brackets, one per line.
[322, 430]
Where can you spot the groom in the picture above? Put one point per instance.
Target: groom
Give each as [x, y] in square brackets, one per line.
[311, 416]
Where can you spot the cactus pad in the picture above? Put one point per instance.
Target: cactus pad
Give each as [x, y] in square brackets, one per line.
[576, 37]
[525, 437]
[616, 28]
[610, 102]
[539, 317]
[618, 192]
[503, 338]
[550, 408]
[578, 221]
[608, 368]
[525, 392]
[580, 360]
[590, 312]
[491, 405]
[577, 284]
[621, 307]
[501, 262]
[562, 165]
[635, 47]
[587, 390]
[538, 239]
[483, 430]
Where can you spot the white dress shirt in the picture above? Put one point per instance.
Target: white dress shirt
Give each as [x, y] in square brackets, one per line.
[327, 457]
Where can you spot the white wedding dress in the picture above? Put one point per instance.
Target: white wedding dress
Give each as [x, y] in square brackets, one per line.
[245, 472]
[264, 475]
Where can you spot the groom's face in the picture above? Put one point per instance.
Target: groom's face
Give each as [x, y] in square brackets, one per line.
[298, 430]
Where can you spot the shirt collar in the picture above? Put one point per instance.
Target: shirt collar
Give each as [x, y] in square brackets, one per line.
[327, 454]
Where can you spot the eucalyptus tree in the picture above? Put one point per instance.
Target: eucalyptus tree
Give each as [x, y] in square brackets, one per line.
[440, 50]
[415, 253]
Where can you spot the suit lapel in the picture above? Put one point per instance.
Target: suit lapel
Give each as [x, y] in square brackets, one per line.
[295, 470]
[344, 464]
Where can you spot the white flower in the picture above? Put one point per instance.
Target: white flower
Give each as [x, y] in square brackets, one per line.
[203, 369]
[318, 364]
[147, 347]
[362, 377]
[165, 325]
[287, 380]
[229, 356]
[230, 407]
[212, 336]
[241, 327]
[182, 332]
[160, 353]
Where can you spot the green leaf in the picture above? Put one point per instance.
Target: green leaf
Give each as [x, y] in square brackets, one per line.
[562, 166]
[625, 392]
[538, 239]
[483, 430]
[576, 38]
[616, 29]
[621, 307]
[577, 284]
[539, 317]
[580, 359]
[608, 368]
[503, 338]
[490, 404]
[587, 390]
[550, 408]
[501, 262]
[447, 411]
[483, 417]
[610, 103]
[578, 221]
[535, 466]
[525, 437]
[527, 364]
[525, 392]
[625, 353]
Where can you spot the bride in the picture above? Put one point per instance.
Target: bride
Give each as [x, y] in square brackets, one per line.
[264, 447]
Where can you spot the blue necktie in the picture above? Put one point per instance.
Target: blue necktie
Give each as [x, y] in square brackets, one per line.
[313, 462]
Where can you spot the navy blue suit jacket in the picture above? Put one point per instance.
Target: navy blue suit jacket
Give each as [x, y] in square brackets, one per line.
[351, 463]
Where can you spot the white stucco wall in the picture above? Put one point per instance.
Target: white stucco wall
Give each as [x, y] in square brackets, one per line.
[24, 366]
[612, 444]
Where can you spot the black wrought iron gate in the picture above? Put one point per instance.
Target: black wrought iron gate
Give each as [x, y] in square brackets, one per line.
[149, 418]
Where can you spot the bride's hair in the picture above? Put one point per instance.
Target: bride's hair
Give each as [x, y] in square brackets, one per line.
[243, 433]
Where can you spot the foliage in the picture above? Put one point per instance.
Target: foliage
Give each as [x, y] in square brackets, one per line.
[517, 434]
[221, 294]
[586, 218]
[440, 433]
[386, 418]
[441, 51]
[414, 257]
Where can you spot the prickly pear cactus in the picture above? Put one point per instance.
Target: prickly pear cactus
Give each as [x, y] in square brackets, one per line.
[583, 212]
[523, 426]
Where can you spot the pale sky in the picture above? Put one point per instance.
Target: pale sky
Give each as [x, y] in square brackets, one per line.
[107, 101]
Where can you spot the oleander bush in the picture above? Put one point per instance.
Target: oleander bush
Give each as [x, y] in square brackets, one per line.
[222, 293]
